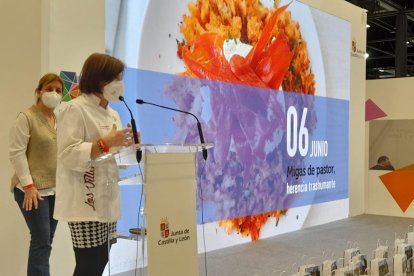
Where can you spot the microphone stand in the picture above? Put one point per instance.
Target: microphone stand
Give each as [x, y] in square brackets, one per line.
[134, 131]
[200, 131]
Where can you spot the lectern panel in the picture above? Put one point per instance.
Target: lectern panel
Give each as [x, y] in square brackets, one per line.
[170, 207]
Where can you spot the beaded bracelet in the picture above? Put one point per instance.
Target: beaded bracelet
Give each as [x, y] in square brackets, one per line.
[103, 146]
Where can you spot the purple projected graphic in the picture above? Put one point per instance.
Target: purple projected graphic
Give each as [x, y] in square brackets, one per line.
[273, 150]
[245, 172]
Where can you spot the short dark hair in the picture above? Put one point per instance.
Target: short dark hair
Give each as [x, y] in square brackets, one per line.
[382, 159]
[97, 70]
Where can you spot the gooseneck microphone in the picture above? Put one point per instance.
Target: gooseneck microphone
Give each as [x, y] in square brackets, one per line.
[134, 130]
[200, 131]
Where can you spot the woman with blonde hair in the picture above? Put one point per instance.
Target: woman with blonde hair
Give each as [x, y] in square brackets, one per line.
[32, 152]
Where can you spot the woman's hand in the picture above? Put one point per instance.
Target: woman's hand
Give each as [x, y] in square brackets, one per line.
[31, 199]
[119, 138]
[138, 134]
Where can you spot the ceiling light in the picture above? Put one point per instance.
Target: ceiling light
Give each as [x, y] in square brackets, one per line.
[381, 70]
[368, 26]
[366, 55]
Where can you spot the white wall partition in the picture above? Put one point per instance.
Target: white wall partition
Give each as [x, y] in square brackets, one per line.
[19, 71]
[357, 151]
[38, 37]
[395, 98]
[54, 35]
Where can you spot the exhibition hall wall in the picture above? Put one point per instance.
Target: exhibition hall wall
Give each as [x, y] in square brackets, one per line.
[19, 72]
[390, 134]
[38, 37]
[393, 96]
[48, 41]
[357, 156]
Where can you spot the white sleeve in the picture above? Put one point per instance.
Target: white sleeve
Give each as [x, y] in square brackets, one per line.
[73, 152]
[18, 139]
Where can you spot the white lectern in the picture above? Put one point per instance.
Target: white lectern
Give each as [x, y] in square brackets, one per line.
[170, 205]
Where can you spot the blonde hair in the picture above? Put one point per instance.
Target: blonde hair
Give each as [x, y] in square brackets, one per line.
[46, 79]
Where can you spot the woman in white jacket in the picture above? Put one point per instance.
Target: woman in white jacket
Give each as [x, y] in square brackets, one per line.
[87, 193]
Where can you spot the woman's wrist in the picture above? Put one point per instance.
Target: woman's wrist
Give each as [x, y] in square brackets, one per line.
[28, 187]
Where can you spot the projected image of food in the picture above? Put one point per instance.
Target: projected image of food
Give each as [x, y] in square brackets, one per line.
[251, 51]
[241, 41]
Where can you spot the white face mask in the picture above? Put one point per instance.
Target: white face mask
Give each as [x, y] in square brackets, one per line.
[51, 99]
[113, 90]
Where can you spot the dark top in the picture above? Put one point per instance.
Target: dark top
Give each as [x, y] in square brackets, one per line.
[381, 167]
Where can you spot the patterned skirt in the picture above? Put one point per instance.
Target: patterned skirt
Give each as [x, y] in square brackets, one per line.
[87, 234]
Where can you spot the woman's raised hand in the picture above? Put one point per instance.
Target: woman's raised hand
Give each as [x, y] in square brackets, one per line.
[119, 138]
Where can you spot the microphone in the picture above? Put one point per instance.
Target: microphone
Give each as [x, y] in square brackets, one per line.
[200, 131]
[134, 130]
